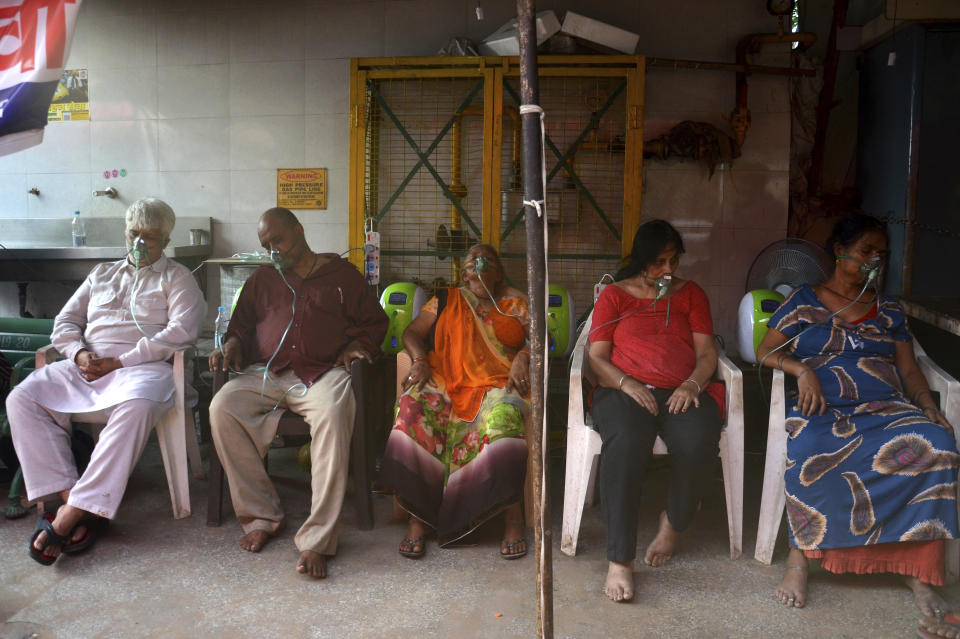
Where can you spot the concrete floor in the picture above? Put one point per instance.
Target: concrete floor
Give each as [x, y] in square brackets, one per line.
[152, 576]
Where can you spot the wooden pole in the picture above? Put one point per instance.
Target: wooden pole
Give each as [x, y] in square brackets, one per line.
[536, 282]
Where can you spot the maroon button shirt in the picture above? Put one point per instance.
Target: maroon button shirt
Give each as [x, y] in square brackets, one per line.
[334, 306]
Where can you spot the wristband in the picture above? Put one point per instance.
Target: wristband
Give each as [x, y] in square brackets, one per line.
[699, 390]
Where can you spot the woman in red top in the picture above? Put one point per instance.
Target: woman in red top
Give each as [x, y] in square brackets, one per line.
[652, 350]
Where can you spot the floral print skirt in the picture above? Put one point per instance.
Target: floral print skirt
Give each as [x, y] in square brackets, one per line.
[451, 473]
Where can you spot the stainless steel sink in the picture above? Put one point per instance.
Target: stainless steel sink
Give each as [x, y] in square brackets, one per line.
[31, 253]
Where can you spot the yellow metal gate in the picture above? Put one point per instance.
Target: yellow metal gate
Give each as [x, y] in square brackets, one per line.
[435, 164]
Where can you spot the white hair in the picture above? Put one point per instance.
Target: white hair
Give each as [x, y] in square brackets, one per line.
[151, 213]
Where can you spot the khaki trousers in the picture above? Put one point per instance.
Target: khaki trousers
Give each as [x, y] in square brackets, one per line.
[242, 433]
[41, 437]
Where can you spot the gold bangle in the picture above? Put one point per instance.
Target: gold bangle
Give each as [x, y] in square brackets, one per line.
[422, 358]
[620, 383]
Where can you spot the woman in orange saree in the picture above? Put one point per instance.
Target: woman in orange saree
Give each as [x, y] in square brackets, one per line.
[457, 454]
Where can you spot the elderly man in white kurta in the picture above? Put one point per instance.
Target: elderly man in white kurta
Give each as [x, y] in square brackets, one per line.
[116, 334]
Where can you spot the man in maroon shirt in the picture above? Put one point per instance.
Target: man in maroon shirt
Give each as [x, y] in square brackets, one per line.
[304, 321]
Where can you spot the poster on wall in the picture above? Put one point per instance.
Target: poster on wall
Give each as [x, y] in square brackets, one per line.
[71, 101]
[302, 188]
[36, 37]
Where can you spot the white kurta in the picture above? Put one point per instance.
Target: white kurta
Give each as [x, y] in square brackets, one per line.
[168, 305]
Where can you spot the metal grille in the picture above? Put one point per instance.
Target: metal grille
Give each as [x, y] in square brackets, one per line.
[585, 124]
[424, 169]
[412, 194]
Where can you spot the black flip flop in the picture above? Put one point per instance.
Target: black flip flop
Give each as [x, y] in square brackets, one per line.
[95, 527]
[511, 549]
[45, 524]
[416, 541]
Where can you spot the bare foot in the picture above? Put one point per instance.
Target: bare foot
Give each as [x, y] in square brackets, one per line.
[661, 548]
[930, 603]
[312, 564]
[64, 522]
[514, 543]
[413, 544]
[948, 627]
[619, 586]
[254, 540]
[792, 591]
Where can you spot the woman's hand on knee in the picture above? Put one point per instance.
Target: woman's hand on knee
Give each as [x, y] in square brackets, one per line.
[640, 394]
[682, 398]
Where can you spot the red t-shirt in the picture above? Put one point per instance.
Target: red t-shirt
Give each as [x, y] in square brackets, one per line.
[647, 347]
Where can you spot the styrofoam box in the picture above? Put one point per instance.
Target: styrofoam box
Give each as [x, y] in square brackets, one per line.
[506, 39]
[595, 31]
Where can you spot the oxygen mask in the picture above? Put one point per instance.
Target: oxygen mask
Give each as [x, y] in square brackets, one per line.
[138, 251]
[662, 284]
[276, 259]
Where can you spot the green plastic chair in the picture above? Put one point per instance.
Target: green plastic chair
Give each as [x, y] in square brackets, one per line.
[20, 338]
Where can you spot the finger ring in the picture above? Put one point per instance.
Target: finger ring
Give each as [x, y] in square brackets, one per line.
[409, 377]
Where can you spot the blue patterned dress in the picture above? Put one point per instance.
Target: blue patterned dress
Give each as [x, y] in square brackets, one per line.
[872, 469]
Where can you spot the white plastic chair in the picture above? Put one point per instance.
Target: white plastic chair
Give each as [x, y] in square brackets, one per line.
[175, 432]
[583, 449]
[773, 500]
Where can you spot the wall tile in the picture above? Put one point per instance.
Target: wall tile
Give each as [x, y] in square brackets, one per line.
[684, 198]
[65, 149]
[131, 145]
[768, 94]
[267, 142]
[739, 247]
[689, 91]
[327, 86]
[328, 141]
[106, 8]
[136, 185]
[60, 195]
[325, 238]
[194, 91]
[338, 201]
[698, 262]
[13, 194]
[344, 30]
[262, 35]
[251, 193]
[767, 146]
[192, 37]
[194, 144]
[421, 27]
[132, 42]
[123, 94]
[755, 199]
[266, 88]
[196, 193]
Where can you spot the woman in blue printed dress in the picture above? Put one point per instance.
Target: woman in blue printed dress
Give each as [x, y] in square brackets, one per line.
[871, 462]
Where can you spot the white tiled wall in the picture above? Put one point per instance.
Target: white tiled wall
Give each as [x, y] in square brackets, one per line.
[202, 100]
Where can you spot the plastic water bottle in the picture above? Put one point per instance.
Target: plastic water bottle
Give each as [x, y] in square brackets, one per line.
[220, 326]
[78, 230]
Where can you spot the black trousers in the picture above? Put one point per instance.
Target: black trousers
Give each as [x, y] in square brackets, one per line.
[628, 432]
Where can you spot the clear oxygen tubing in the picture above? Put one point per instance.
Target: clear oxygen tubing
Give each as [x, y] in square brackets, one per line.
[138, 251]
[480, 265]
[299, 389]
[662, 284]
[870, 269]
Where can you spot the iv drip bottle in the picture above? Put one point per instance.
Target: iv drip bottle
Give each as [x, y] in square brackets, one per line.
[78, 230]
